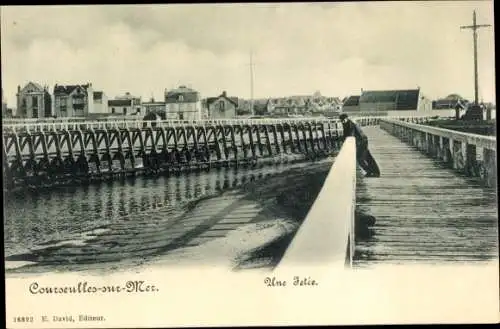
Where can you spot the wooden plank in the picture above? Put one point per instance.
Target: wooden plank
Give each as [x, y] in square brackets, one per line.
[424, 211]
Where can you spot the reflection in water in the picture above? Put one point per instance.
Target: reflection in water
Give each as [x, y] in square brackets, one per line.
[140, 216]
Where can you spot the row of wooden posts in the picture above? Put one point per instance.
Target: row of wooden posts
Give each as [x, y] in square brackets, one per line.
[43, 157]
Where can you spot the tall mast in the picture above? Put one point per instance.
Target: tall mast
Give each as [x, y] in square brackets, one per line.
[474, 27]
[251, 84]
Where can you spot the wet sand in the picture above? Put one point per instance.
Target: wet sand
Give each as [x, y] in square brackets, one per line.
[248, 226]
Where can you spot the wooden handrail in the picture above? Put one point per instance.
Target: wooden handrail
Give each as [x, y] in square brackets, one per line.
[326, 237]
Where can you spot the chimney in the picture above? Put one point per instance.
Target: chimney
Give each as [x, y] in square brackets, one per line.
[224, 93]
[18, 88]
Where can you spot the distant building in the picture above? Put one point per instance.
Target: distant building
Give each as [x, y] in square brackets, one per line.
[122, 107]
[333, 107]
[384, 101]
[337, 104]
[389, 100]
[33, 101]
[73, 100]
[183, 103]
[221, 107]
[6, 112]
[4, 105]
[301, 105]
[289, 106]
[424, 104]
[489, 110]
[243, 107]
[126, 105]
[153, 107]
[262, 106]
[351, 104]
[450, 102]
[315, 104]
[100, 103]
[135, 104]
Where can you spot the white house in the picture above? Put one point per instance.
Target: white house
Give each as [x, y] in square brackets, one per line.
[33, 101]
[100, 103]
[73, 100]
[183, 103]
[126, 105]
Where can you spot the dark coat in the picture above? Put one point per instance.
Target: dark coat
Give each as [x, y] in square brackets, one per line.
[352, 129]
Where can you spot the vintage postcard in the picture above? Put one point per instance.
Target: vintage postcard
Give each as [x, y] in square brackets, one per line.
[198, 165]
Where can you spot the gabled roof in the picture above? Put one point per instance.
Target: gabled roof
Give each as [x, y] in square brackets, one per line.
[189, 95]
[68, 89]
[403, 99]
[233, 100]
[181, 89]
[454, 96]
[378, 96]
[352, 101]
[32, 85]
[448, 103]
[336, 101]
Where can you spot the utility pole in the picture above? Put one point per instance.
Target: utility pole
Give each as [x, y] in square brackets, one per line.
[474, 27]
[251, 84]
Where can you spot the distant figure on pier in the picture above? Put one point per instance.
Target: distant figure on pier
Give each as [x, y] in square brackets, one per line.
[363, 155]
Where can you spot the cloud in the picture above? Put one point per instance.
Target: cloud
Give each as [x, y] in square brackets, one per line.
[336, 48]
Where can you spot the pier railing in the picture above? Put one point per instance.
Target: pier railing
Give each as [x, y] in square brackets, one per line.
[326, 237]
[29, 126]
[52, 152]
[37, 125]
[36, 151]
[471, 154]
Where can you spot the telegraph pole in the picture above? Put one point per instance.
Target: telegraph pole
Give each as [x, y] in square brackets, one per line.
[251, 84]
[474, 27]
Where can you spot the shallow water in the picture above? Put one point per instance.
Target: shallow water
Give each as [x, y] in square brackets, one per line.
[227, 215]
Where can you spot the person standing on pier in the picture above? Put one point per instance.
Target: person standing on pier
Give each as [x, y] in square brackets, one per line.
[363, 155]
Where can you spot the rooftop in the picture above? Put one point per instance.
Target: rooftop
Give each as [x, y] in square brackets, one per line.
[120, 102]
[233, 100]
[405, 99]
[188, 95]
[181, 90]
[352, 101]
[68, 89]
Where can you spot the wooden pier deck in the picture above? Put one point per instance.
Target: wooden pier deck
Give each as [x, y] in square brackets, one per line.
[424, 212]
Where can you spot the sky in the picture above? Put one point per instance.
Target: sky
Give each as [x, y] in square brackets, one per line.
[298, 49]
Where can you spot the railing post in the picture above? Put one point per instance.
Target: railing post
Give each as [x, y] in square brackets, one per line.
[464, 155]
[442, 151]
[451, 146]
[490, 167]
